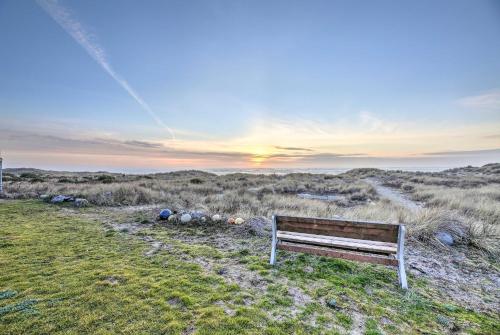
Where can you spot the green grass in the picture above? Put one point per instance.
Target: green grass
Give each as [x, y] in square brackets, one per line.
[61, 274]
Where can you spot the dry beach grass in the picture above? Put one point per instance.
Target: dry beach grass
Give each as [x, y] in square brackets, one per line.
[463, 202]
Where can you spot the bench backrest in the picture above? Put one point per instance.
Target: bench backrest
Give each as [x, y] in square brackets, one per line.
[373, 231]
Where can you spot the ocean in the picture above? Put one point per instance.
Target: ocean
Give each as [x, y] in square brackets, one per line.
[333, 171]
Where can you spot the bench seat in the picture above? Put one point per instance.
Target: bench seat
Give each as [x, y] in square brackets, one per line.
[339, 242]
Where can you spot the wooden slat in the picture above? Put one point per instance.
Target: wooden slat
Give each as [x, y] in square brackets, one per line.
[373, 231]
[339, 242]
[343, 222]
[389, 244]
[336, 253]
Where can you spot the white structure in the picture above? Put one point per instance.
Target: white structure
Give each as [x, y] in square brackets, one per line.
[1, 188]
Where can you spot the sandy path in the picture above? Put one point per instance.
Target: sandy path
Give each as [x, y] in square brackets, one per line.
[393, 195]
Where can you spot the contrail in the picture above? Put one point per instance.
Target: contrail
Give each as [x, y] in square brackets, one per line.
[76, 30]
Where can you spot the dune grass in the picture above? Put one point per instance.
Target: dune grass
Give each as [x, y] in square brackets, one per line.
[463, 202]
[62, 274]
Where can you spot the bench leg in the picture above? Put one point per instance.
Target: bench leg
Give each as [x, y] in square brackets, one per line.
[273, 254]
[401, 260]
[274, 242]
[402, 276]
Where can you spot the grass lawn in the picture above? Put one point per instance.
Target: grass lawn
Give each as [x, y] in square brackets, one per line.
[69, 275]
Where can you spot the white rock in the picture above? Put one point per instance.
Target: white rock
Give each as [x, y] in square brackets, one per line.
[185, 218]
[172, 218]
[445, 238]
[216, 218]
[239, 221]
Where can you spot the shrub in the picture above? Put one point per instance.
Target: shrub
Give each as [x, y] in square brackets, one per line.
[28, 175]
[196, 181]
[407, 187]
[106, 179]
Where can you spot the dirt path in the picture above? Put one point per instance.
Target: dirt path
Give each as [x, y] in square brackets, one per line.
[393, 195]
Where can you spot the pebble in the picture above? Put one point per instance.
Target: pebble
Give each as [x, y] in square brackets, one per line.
[185, 218]
[61, 198]
[332, 303]
[165, 213]
[231, 221]
[445, 238]
[216, 218]
[239, 221]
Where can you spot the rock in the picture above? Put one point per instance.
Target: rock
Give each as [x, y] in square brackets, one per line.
[57, 199]
[230, 220]
[44, 197]
[239, 221]
[185, 218]
[60, 198]
[445, 238]
[196, 215]
[172, 218]
[222, 271]
[216, 218]
[165, 213]
[332, 303]
[80, 202]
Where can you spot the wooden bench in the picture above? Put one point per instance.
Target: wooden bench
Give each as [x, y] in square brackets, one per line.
[373, 242]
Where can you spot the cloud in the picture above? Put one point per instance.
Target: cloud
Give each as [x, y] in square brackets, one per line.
[46, 150]
[465, 153]
[487, 101]
[373, 123]
[88, 42]
[293, 148]
[143, 144]
[26, 141]
[494, 137]
[29, 143]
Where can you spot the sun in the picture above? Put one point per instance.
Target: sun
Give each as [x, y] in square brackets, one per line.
[260, 155]
[258, 160]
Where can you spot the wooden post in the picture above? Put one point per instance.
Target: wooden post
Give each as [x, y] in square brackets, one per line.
[274, 242]
[400, 255]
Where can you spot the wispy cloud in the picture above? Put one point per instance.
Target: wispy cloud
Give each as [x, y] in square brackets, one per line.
[88, 42]
[494, 137]
[465, 153]
[486, 101]
[293, 148]
[373, 123]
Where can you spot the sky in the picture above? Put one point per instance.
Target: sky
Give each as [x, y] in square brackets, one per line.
[140, 86]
